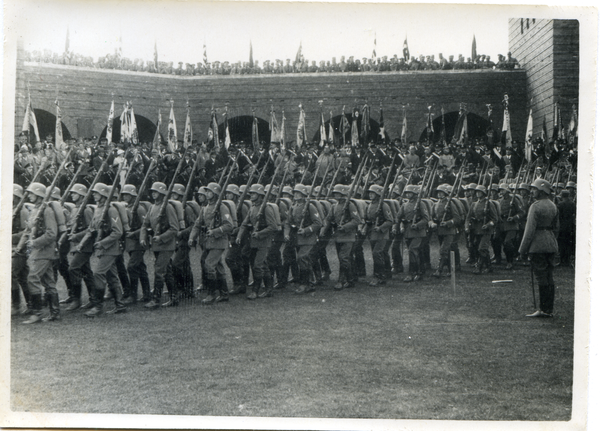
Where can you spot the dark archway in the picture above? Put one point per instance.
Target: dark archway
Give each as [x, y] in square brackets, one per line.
[477, 127]
[146, 129]
[46, 122]
[373, 134]
[240, 129]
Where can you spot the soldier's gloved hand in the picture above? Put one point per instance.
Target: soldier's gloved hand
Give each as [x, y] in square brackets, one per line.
[414, 226]
[143, 243]
[179, 235]
[211, 233]
[191, 242]
[157, 240]
[129, 235]
[238, 240]
[431, 224]
[255, 235]
[30, 243]
[510, 219]
[402, 229]
[322, 232]
[377, 229]
[301, 231]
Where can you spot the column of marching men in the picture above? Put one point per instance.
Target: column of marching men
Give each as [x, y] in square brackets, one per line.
[274, 229]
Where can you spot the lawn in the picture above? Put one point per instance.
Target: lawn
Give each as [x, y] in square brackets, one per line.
[399, 351]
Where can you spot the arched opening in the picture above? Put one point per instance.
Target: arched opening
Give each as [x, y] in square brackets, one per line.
[373, 133]
[240, 129]
[46, 122]
[477, 126]
[146, 129]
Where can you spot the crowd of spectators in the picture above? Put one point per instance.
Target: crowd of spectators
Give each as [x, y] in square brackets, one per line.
[299, 65]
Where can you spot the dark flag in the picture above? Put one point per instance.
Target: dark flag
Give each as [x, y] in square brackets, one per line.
[344, 126]
[405, 50]
[366, 126]
[443, 132]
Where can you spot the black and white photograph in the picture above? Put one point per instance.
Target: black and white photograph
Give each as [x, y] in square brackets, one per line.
[296, 215]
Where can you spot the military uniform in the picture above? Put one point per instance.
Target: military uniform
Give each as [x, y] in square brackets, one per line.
[19, 267]
[483, 219]
[378, 231]
[447, 217]
[511, 214]
[413, 219]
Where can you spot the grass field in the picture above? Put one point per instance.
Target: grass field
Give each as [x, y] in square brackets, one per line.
[400, 351]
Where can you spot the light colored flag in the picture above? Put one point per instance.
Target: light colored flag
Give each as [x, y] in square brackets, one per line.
[529, 137]
[172, 131]
[331, 137]
[282, 138]
[135, 137]
[322, 132]
[255, 135]
[274, 127]
[366, 123]
[125, 126]
[506, 126]
[109, 124]
[301, 131]
[59, 143]
[227, 142]
[156, 140]
[464, 132]
[404, 133]
[215, 130]
[354, 138]
[30, 121]
[187, 134]
[344, 126]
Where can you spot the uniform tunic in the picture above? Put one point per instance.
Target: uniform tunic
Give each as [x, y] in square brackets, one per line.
[379, 239]
[306, 241]
[43, 252]
[409, 212]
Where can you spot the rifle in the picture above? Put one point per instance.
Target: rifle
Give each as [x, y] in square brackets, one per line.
[483, 169]
[398, 171]
[307, 203]
[129, 169]
[250, 177]
[419, 197]
[385, 186]
[431, 176]
[91, 234]
[138, 198]
[514, 194]
[323, 182]
[353, 187]
[189, 183]
[211, 225]
[40, 214]
[337, 171]
[63, 198]
[225, 170]
[365, 190]
[280, 190]
[487, 202]
[162, 215]
[455, 188]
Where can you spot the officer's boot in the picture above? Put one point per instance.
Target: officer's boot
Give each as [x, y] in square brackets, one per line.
[255, 287]
[36, 309]
[268, 280]
[53, 306]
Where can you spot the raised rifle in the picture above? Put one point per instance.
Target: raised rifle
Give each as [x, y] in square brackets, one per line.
[307, 203]
[487, 202]
[350, 194]
[280, 190]
[398, 171]
[483, 170]
[225, 170]
[420, 196]
[512, 199]
[137, 223]
[337, 171]
[129, 169]
[189, 183]
[250, 178]
[162, 215]
[365, 190]
[382, 198]
[455, 189]
[323, 181]
[65, 195]
[40, 214]
[213, 221]
[431, 175]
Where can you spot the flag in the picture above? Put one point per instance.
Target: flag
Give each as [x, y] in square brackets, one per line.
[381, 134]
[331, 137]
[125, 126]
[155, 56]
[215, 130]
[274, 128]
[474, 50]
[187, 134]
[405, 50]
[374, 55]
[506, 133]
[344, 126]
[429, 125]
[172, 131]
[255, 136]
[205, 58]
[365, 125]
[301, 131]
[561, 129]
[322, 132]
[251, 59]
[544, 131]
[109, 124]
[443, 132]
[529, 137]
[59, 143]
[354, 134]
[67, 43]
[573, 125]
[461, 130]
[282, 139]
[404, 133]
[135, 138]
[227, 142]
[30, 121]
[156, 140]
[464, 132]
[299, 54]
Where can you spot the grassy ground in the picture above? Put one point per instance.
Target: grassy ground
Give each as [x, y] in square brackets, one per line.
[400, 351]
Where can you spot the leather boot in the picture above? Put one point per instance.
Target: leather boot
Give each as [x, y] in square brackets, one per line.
[36, 310]
[268, 293]
[54, 307]
[222, 292]
[255, 286]
[211, 286]
[131, 297]
[118, 297]
[73, 305]
[145, 282]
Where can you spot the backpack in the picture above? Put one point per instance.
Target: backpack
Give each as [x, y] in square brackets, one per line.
[460, 209]
[277, 215]
[179, 211]
[59, 212]
[319, 206]
[361, 206]
[231, 206]
[195, 207]
[122, 210]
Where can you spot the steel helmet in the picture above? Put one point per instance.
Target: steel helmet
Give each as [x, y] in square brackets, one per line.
[561, 185]
[340, 188]
[504, 187]
[55, 193]
[396, 191]
[287, 190]
[571, 184]
[179, 189]
[316, 191]
[301, 189]
[481, 188]
[159, 187]
[523, 186]
[442, 188]
[542, 185]
[18, 191]
[472, 186]
[273, 190]
[242, 188]
[258, 189]
[377, 189]
[102, 189]
[411, 188]
[201, 191]
[214, 187]
[232, 188]
[495, 187]
[37, 189]
[129, 189]
[80, 189]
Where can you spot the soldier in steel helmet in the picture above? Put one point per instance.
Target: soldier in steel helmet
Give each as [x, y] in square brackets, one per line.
[483, 219]
[163, 225]
[539, 243]
[236, 259]
[445, 220]
[213, 226]
[19, 268]
[511, 214]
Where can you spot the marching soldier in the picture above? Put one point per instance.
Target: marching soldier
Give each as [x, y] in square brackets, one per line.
[19, 268]
[42, 246]
[289, 249]
[397, 236]
[511, 213]
[445, 218]
[539, 242]
[237, 260]
[274, 258]
[344, 224]
[413, 219]
[377, 227]
[136, 267]
[79, 258]
[483, 218]
[303, 233]
[214, 225]
[164, 226]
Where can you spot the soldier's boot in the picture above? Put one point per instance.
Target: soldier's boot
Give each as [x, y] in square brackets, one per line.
[120, 307]
[145, 282]
[268, 292]
[222, 292]
[487, 264]
[36, 310]
[255, 286]
[53, 307]
[211, 287]
[131, 296]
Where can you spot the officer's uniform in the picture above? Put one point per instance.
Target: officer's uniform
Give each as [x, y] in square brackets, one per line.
[539, 241]
[164, 239]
